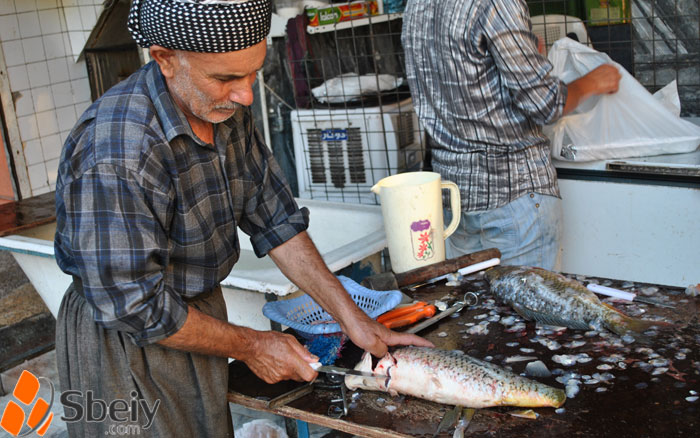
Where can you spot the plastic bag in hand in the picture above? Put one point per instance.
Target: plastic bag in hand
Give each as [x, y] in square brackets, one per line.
[629, 123]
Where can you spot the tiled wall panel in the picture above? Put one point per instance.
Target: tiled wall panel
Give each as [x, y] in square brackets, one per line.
[41, 42]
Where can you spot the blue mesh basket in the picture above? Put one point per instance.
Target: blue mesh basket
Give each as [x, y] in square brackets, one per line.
[305, 316]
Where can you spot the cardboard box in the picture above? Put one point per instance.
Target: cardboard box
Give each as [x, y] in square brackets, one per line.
[605, 12]
[572, 8]
[341, 12]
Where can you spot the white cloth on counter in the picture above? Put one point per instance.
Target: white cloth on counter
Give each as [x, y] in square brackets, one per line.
[261, 428]
[351, 86]
[629, 123]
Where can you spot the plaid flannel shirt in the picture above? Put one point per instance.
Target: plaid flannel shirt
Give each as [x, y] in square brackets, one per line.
[147, 212]
[482, 92]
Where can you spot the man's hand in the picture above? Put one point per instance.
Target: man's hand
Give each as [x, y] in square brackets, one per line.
[371, 336]
[604, 79]
[540, 46]
[277, 356]
[272, 356]
[300, 262]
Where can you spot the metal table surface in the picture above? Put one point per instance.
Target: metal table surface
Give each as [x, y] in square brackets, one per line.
[635, 403]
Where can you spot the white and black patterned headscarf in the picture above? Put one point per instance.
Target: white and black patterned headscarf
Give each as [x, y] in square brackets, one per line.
[207, 26]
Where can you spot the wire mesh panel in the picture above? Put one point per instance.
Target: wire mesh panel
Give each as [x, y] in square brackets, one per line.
[667, 47]
[657, 41]
[354, 123]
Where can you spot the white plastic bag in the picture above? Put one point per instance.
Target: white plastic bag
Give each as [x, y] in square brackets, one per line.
[261, 428]
[350, 86]
[629, 123]
[668, 97]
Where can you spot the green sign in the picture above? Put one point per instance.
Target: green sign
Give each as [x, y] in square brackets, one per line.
[603, 12]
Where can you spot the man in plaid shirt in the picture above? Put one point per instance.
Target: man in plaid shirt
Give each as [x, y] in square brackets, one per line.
[483, 91]
[154, 180]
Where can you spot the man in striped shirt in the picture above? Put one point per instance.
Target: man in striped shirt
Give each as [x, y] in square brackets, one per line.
[483, 91]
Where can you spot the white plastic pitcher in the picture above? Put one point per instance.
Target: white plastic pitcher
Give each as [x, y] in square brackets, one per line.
[412, 210]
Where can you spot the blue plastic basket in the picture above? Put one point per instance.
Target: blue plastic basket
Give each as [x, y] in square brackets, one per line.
[305, 316]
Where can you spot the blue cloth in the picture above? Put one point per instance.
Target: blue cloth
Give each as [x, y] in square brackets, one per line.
[147, 212]
[326, 347]
[482, 92]
[527, 231]
[392, 6]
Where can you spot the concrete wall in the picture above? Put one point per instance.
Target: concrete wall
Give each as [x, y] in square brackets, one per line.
[41, 41]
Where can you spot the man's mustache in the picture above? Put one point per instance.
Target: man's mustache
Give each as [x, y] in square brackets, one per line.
[228, 106]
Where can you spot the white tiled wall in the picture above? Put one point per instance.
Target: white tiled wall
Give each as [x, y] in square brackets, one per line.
[80, 18]
[41, 41]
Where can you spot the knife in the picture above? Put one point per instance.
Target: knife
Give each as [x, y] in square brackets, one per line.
[624, 295]
[456, 307]
[329, 369]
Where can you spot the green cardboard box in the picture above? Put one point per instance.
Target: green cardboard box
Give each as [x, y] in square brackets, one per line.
[341, 12]
[572, 8]
[605, 12]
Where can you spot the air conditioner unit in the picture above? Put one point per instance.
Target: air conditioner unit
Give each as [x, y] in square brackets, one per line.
[341, 153]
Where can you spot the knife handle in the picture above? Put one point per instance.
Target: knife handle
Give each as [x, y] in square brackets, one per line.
[400, 311]
[404, 320]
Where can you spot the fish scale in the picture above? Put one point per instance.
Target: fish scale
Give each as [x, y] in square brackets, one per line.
[455, 378]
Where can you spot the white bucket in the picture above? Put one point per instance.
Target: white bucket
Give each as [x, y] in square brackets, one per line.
[412, 210]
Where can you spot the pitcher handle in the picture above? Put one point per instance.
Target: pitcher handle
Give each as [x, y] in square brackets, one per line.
[455, 207]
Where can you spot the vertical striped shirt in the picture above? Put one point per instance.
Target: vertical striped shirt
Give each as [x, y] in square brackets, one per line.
[482, 92]
[147, 212]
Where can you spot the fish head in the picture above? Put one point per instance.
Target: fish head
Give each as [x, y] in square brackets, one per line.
[369, 383]
[385, 364]
[498, 271]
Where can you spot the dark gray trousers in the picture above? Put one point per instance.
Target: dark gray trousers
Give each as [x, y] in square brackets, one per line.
[189, 388]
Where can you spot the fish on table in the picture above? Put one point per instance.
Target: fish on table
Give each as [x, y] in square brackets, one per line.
[551, 298]
[454, 378]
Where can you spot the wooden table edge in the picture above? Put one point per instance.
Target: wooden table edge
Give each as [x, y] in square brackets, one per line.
[310, 417]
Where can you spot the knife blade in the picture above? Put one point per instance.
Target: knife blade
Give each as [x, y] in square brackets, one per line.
[456, 307]
[330, 369]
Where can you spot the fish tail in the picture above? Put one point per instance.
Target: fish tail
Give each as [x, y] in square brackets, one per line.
[636, 325]
[556, 397]
[540, 396]
[621, 324]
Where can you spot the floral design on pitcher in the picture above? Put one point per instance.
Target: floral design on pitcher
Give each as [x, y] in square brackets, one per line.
[422, 240]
